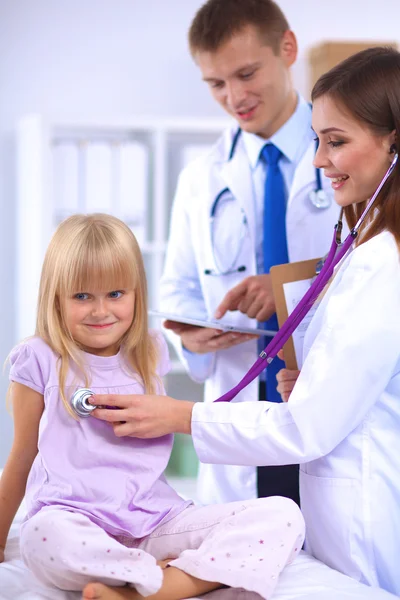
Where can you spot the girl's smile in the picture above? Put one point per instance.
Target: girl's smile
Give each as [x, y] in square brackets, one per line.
[99, 326]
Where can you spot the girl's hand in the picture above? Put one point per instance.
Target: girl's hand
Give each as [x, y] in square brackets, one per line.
[286, 379]
[143, 416]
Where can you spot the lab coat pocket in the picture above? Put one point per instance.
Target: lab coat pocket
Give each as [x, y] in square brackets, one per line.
[328, 505]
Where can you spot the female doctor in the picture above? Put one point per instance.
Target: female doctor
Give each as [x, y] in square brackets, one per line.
[342, 421]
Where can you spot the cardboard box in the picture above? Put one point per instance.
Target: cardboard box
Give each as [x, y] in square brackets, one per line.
[326, 55]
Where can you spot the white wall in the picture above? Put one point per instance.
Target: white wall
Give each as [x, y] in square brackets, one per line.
[124, 57]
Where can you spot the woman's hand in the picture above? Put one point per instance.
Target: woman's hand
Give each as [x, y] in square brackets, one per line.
[1, 554]
[286, 379]
[143, 416]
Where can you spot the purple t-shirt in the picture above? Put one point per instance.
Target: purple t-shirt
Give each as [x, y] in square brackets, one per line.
[81, 465]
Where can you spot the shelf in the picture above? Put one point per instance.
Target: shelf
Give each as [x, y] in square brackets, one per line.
[86, 165]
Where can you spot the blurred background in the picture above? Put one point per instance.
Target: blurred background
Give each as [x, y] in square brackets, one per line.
[89, 88]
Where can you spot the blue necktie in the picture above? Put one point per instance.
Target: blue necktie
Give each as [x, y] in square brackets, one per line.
[274, 244]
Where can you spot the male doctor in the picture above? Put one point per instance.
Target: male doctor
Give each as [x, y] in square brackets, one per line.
[248, 204]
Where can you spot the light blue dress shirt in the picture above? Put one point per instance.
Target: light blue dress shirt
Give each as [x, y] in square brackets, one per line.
[292, 139]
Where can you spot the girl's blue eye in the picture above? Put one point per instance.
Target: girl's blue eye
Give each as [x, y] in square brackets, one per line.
[81, 296]
[116, 294]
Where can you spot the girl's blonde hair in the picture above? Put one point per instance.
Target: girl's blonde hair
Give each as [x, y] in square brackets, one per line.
[94, 252]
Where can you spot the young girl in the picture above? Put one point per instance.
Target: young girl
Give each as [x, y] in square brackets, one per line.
[342, 421]
[98, 506]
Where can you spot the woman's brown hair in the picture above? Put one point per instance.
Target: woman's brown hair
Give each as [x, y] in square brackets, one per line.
[367, 86]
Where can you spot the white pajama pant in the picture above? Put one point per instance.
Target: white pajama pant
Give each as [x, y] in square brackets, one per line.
[240, 545]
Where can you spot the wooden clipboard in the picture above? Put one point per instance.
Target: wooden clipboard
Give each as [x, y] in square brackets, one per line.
[281, 274]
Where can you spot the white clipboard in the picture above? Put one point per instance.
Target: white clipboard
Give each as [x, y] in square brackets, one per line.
[212, 324]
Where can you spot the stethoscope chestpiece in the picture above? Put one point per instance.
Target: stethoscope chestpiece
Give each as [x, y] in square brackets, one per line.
[320, 199]
[80, 404]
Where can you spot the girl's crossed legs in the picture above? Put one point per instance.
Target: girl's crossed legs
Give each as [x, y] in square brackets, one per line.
[241, 545]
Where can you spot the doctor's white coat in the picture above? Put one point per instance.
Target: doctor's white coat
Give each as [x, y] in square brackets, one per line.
[187, 290]
[342, 421]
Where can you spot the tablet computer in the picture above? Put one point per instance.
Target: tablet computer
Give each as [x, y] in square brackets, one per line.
[213, 324]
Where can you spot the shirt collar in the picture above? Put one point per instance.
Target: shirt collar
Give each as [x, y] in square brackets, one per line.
[290, 138]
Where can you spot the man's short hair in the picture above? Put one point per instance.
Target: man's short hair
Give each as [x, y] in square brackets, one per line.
[218, 20]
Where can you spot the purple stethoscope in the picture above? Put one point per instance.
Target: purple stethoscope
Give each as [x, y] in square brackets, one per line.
[80, 399]
[337, 251]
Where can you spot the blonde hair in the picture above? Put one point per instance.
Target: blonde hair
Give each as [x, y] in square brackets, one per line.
[96, 251]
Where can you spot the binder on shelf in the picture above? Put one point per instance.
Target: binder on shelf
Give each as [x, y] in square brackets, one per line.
[133, 187]
[65, 180]
[97, 177]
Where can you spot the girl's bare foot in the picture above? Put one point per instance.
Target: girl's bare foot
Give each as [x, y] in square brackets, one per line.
[99, 591]
[164, 563]
[176, 585]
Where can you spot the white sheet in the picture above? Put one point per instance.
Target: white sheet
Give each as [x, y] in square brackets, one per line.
[305, 579]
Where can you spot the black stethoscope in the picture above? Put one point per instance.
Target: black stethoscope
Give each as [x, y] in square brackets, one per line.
[218, 270]
[318, 198]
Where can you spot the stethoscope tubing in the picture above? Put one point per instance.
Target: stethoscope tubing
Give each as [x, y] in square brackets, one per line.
[292, 322]
[231, 270]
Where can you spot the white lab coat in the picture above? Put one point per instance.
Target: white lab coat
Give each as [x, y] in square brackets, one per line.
[186, 290]
[342, 422]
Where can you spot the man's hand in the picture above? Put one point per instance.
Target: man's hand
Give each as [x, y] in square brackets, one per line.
[143, 416]
[201, 340]
[253, 297]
